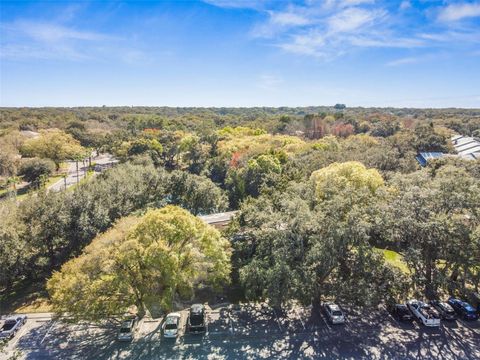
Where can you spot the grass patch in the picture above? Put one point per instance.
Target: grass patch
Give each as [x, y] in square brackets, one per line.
[83, 180]
[25, 297]
[21, 193]
[395, 259]
[52, 180]
[24, 191]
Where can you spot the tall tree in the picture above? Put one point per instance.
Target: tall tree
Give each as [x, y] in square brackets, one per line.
[306, 242]
[53, 144]
[433, 216]
[34, 170]
[148, 262]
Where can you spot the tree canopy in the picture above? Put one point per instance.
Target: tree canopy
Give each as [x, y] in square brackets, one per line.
[55, 145]
[148, 262]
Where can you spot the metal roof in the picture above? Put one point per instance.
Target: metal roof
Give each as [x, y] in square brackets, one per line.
[423, 157]
[467, 147]
[218, 218]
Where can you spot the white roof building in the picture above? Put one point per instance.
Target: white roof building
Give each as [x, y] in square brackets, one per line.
[466, 147]
[219, 220]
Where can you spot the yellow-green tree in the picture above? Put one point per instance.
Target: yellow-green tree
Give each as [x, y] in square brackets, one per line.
[149, 262]
[53, 144]
[350, 176]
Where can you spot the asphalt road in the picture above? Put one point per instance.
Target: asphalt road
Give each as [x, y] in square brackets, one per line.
[102, 162]
[253, 332]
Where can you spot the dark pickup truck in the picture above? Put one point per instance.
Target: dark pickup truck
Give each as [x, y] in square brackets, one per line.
[196, 319]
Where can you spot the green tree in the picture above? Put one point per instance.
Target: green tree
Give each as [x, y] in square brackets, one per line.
[53, 144]
[429, 139]
[14, 251]
[195, 193]
[295, 245]
[149, 146]
[433, 215]
[261, 171]
[34, 170]
[148, 262]
[8, 163]
[348, 177]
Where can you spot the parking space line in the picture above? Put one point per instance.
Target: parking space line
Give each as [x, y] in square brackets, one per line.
[277, 320]
[18, 336]
[392, 318]
[468, 326]
[324, 321]
[48, 332]
[232, 328]
[301, 321]
[140, 326]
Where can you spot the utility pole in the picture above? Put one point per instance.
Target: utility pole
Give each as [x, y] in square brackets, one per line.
[78, 175]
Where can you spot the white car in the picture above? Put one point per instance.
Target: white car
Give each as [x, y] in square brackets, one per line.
[171, 325]
[334, 313]
[424, 312]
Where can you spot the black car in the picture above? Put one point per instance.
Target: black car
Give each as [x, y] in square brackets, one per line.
[445, 310]
[463, 309]
[196, 319]
[475, 301]
[401, 312]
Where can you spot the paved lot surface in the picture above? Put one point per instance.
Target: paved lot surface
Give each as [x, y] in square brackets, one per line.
[254, 332]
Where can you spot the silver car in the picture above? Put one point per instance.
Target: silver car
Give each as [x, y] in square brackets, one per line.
[127, 329]
[171, 325]
[334, 313]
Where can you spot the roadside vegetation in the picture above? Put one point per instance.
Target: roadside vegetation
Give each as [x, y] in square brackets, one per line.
[332, 205]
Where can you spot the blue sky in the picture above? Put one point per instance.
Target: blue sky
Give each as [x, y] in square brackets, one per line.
[240, 53]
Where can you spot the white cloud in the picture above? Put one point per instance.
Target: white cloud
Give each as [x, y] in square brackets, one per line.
[46, 32]
[346, 3]
[237, 4]
[53, 41]
[404, 61]
[269, 82]
[405, 5]
[353, 18]
[288, 19]
[330, 28]
[306, 44]
[452, 36]
[455, 12]
[384, 41]
[28, 39]
[30, 51]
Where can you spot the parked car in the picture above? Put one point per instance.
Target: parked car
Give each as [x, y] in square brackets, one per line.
[463, 309]
[196, 319]
[127, 329]
[334, 313]
[475, 301]
[11, 325]
[401, 312]
[171, 325]
[444, 309]
[424, 312]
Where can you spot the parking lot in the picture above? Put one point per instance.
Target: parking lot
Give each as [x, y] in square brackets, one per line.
[250, 331]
